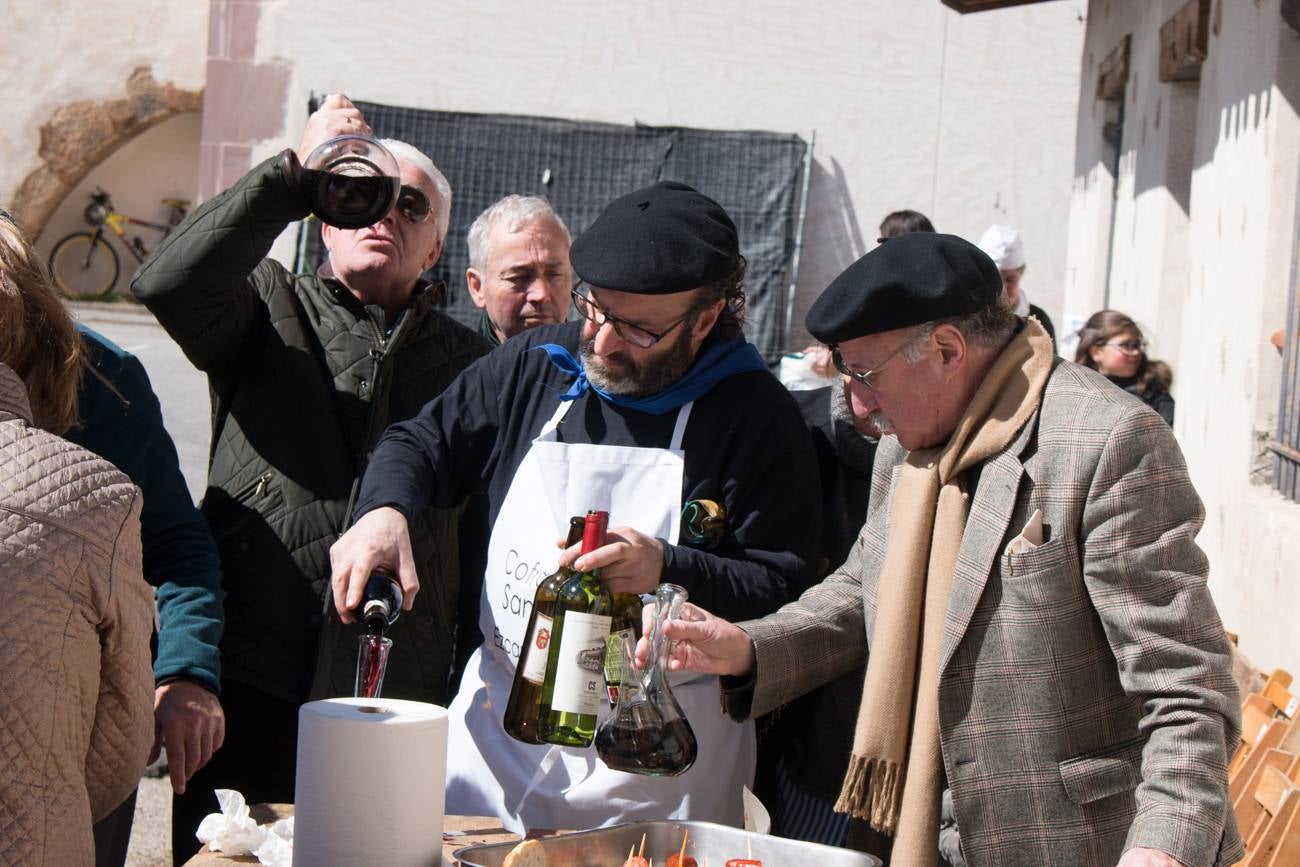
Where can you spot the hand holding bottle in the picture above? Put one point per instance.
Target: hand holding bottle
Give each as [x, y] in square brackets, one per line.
[702, 642]
[380, 538]
[629, 561]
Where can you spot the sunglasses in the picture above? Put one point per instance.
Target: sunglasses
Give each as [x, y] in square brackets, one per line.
[413, 205]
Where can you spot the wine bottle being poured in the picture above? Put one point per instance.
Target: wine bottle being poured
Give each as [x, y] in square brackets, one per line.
[381, 603]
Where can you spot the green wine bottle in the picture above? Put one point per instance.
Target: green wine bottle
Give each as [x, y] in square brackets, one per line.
[520, 719]
[571, 692]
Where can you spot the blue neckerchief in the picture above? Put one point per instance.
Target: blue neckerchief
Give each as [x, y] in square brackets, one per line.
[717, 361]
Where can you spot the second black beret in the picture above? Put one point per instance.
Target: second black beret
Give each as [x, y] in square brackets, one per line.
[907, 280]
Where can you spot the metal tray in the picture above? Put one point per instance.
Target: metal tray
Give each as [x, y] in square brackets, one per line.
[711, 845]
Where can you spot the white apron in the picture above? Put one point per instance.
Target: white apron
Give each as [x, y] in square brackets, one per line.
[527, 786]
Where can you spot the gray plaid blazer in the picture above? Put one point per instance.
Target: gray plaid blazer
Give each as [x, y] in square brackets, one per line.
[1087, 704]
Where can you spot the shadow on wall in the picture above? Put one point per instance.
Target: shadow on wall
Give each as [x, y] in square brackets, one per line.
[1243, 97]
[832, 241]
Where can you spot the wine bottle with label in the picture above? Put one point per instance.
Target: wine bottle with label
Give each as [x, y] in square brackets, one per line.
[520, 720]
[575, 665]
[626, 621]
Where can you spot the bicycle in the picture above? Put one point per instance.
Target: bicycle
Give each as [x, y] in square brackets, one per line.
[85, 266]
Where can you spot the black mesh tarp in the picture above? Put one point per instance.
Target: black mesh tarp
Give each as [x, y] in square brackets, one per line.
[582, 166]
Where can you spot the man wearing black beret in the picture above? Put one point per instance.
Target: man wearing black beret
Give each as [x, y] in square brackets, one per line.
[1039, 638]
[654, 408]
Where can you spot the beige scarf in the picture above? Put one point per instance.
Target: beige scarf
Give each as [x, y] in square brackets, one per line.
[894, 776]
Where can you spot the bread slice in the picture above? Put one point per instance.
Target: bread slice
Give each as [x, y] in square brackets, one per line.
[527, 854]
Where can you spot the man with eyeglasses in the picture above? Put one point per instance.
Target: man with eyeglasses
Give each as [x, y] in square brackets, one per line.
[1042, 652]
[306, 371]
[651, 406]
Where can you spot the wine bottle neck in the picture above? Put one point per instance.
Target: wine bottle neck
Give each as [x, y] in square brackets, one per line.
[376, 615]
[593, 534]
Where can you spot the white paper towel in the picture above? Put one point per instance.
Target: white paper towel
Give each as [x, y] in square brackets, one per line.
[370, 784]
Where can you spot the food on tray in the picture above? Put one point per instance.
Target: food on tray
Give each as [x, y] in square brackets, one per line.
[680, 858]
[527, 854]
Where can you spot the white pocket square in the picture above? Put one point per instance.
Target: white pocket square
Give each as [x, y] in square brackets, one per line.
[1030, 537]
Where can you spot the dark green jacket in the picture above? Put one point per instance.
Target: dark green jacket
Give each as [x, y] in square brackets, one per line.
[303, 380]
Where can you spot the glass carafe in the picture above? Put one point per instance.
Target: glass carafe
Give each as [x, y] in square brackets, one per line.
[647, 733]
[351, 181]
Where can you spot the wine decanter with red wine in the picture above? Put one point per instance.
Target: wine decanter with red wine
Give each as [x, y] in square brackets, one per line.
[647, 733]
[350, 181]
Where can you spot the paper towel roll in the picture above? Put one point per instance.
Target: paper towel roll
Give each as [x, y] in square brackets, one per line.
[371, 783]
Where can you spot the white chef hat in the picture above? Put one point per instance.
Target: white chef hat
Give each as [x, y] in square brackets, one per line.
[1003, 246]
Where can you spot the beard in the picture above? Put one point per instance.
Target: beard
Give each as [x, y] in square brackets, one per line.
[623, 375]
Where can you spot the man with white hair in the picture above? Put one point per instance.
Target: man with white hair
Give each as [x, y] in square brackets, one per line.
[519, 272]
[306, 371]
[1005, 247]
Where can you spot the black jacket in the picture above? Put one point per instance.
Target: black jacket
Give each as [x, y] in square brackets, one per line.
[304, 379]
[1151, 394]
[745, 448]
[814, 733]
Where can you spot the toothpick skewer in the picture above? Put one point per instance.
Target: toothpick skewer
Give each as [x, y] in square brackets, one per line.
[641, 852]
[681, 856]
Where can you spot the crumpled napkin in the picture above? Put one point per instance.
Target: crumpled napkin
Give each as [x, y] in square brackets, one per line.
[233, 832]
[757, 818]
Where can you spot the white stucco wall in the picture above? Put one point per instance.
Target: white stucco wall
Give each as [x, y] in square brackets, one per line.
[1240, 264]
[62, 51]
[1203, 238]
[969, 119]
[1139, 265]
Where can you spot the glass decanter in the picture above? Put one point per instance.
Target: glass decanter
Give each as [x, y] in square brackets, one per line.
[350, 181]
[647, 733]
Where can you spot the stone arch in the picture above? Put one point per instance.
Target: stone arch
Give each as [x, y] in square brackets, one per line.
[81, 135]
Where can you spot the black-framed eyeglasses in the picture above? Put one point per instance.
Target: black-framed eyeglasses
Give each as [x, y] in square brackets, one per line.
[590, 310]
[1129, 346]
[866, 377]
[413, 204]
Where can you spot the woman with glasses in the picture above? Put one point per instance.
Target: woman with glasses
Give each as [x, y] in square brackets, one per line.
[1111, 343]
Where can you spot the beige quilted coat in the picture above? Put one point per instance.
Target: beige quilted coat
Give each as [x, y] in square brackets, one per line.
[76, 691]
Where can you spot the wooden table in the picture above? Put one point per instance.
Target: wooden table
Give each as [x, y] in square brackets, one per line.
[458, 832]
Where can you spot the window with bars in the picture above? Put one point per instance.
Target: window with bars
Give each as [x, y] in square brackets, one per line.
[1286, 447]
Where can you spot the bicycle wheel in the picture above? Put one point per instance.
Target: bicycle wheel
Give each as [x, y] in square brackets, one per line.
[84, 266]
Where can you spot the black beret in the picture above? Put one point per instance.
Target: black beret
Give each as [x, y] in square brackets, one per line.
[662, 239]
[907, 280]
